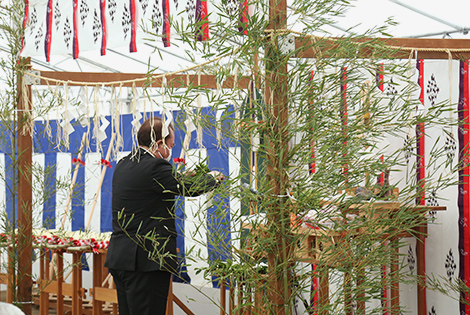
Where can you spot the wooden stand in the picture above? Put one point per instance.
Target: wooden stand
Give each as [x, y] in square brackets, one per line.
[317, 245]
[100, 293]
[52, 283]
[7, 278]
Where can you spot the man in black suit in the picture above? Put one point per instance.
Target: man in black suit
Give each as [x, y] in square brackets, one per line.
[142, 250]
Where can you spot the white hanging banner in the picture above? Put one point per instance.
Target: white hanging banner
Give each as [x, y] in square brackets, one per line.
[55, 27]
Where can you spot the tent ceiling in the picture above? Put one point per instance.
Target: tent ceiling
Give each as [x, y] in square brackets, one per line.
[417, 18]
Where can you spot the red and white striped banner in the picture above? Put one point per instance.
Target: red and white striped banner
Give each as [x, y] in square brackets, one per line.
[464, 185]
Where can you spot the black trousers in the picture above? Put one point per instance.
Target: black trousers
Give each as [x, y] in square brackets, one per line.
[141, 293]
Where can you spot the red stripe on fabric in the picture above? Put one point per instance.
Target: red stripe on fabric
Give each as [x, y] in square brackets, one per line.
[104, 34]
[133, 44]
[382, 174]
[421, 166]
[244, 18]
[25, 21]
[202, 33]
[464, 192]
[48, 39]
[166, 23]
[421, 81]
[75, 29]
[466, 182]
[380, 77]
[204, 17]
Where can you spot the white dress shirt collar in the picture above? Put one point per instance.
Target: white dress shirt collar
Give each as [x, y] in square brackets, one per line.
[146, 150]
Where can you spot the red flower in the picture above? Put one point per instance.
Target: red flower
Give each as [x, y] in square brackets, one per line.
[75, 161]
[107, 163]
[179, 160]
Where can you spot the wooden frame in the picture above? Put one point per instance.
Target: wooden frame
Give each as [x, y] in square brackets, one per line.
[424, 48]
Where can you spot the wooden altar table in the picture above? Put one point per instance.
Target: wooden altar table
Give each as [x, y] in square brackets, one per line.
[310, 250]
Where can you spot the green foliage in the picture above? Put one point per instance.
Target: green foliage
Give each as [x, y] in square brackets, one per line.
[291, 116]
[294, 119]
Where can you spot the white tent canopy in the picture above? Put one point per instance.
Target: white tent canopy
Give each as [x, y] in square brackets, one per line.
[419, 18]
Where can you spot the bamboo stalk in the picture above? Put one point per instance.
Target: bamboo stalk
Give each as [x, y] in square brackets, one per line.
[103, 173]
[74, 179]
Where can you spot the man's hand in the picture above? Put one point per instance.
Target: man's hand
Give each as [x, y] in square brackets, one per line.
[189, 173]
[218, 175]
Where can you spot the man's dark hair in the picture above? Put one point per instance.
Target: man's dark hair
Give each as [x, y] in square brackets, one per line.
[151, 131]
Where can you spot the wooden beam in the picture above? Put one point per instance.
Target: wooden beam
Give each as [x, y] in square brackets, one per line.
[174, 80]
[105, 294]
[25, 195]
[277, 139]
[381, 48]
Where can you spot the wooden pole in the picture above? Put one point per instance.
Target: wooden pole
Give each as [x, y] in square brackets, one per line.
[420, 269]
[169, 302]
[324, 292]
[25, 194]
[43, 276]
[394, 277]
[223, 297]
[97, 282]
[11, 271]
[77, 283]
[276, 155]
[60, 281]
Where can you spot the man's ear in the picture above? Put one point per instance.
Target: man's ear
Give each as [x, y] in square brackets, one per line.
[153, 146]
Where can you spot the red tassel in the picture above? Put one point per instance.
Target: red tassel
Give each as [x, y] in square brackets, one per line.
[201, 17]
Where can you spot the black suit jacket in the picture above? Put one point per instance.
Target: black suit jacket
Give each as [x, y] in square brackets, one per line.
[144, 233]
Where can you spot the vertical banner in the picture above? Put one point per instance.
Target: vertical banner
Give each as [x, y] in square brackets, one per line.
[202, 32]
[464, 189]
[48, 40]
[25, 22]
[166, 23]
[133, 43]
[420, 182]
[75, 29]
[420, 167]
[103, 27]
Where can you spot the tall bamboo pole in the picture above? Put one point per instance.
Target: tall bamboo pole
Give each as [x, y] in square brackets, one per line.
[277, 148]
[25, 195]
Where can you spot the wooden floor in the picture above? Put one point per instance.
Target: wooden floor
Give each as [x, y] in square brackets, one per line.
[35, 307]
